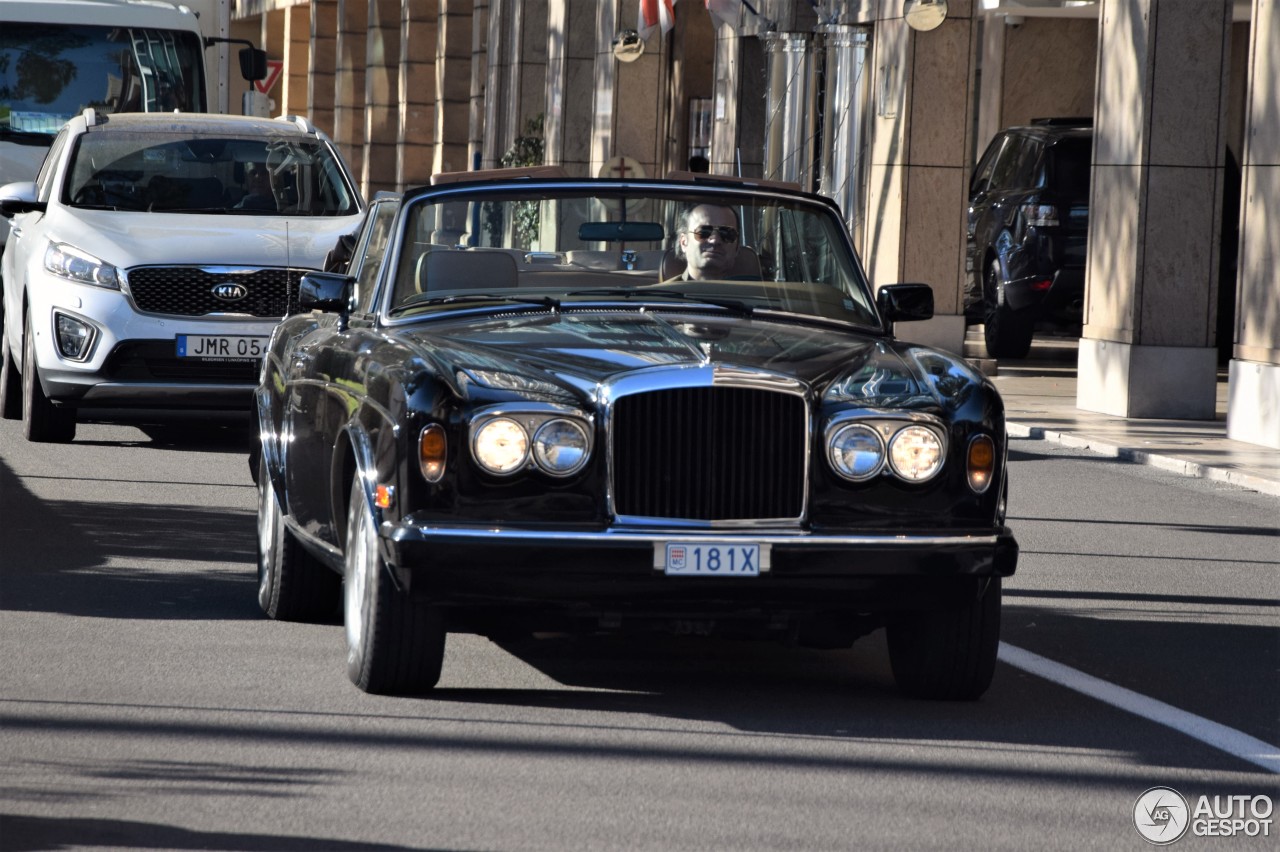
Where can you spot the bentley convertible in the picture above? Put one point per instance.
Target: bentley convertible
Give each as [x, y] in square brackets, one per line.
[537, 403]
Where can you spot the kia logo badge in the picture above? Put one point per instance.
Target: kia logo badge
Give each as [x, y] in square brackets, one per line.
[228, 292]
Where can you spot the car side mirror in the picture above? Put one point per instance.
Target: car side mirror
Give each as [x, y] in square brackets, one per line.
[20, 197]
[905, 302]
[325, 291]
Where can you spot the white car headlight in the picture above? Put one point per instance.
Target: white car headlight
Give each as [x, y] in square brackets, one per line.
[75, 265]
[855, 452]
[501, 445]
[915, 453]
[560, 447]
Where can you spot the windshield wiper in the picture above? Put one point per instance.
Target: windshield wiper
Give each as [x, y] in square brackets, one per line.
[425, 300]
[25, 137]
[189, 210]
[728, 304]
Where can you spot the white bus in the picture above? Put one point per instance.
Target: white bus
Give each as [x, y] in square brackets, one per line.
[58, 57]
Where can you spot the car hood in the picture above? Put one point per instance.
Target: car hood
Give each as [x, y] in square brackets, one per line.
[569, 357]
[139, 239]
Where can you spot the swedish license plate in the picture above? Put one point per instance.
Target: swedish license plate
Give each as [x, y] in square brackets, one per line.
[221, 347]
[712, 558]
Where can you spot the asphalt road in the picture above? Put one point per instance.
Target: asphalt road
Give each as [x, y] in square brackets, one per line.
[145, 704]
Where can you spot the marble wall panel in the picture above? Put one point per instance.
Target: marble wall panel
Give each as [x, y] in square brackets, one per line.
[1121, 109]
[1179, 257]
[1114, 251]
[1189, 82]
[1047, 69]
[934, 238]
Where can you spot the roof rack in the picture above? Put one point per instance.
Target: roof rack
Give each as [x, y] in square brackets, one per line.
[1064, 121]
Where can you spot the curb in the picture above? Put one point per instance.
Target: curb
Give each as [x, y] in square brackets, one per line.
[1184, 467]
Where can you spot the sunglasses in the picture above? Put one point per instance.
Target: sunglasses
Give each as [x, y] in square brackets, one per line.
[724, 232]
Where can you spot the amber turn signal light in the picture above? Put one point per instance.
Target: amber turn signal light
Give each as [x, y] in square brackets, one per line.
[432, 446]
[982, 463]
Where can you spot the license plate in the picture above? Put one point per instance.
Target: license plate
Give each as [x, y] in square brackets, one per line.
[221, 347]
[711, 558]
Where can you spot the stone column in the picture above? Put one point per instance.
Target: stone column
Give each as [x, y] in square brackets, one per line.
[1155, 209]
[1253, 412]
[453, 86]
[321, 79]
[275, 41]
[416, 112]
[382, 97]
[479, 78]
[603, 93]
[351, 45]
[501, 95]
[921, 132]
[570, 59]
[292, 95]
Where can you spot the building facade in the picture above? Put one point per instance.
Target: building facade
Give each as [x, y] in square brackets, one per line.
[846, 98]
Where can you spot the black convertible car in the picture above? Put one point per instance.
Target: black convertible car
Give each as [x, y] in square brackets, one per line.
[536, 403]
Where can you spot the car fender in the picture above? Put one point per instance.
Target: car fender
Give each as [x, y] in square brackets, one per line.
[353, 460]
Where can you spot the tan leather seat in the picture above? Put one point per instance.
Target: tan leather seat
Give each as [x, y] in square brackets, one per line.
[449, 269]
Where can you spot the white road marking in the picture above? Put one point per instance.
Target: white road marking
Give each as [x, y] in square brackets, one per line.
[1229, 740]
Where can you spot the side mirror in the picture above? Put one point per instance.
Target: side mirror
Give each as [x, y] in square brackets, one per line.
[905, 302]
[20, 197]
[325, 291]
[253, 64]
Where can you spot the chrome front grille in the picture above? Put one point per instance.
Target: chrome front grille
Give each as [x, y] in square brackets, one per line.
[187, 291]
[709, 454]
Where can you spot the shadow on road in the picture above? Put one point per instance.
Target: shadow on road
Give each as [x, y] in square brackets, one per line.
[30, 833]
[79, 557]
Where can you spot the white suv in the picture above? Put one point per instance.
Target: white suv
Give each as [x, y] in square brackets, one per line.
[152, 257]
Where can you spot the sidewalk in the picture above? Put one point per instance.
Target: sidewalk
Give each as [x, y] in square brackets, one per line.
[1040, 402]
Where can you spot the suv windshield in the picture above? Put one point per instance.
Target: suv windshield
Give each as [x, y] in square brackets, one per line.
[737, 251]
[174, 172]
[51, 72]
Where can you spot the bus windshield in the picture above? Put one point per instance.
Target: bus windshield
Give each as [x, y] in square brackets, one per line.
[51, 72]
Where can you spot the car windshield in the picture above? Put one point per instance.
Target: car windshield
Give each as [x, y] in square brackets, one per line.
[744, 252]
[238, 175]
[50, 72]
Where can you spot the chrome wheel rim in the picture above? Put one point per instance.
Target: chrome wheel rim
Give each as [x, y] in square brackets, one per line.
[359, 564]
[268, 520]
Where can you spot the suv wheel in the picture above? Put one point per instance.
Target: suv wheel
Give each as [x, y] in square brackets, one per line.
[10, 382]
[42, 421]
[1007, 332]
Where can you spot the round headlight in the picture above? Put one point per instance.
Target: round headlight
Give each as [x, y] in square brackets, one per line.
[501, 445]
[560, 447]
[915, 453]
[856, 452]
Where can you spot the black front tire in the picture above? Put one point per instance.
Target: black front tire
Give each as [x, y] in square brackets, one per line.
[1007, 332]
[42, 421]
[292, 584]
[395, 645]
[948, 655]
[10, 382]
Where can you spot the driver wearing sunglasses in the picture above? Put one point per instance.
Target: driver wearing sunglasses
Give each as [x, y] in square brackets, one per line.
[709, 241]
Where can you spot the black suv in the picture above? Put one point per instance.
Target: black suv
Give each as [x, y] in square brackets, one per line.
[1028, 227]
